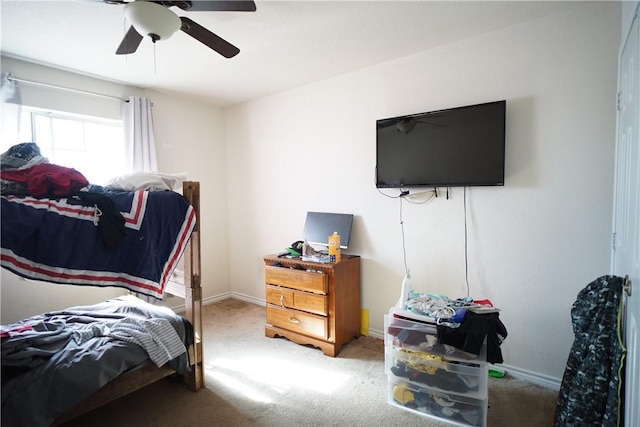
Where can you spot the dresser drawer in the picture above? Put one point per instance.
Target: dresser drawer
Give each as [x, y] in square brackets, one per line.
[296, 279]
[298, 321]
[288, 298]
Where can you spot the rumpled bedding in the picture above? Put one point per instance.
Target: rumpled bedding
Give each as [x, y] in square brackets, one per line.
[53, 361]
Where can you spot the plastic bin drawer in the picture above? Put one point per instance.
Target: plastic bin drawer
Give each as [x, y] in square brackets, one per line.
[451, 408]
[400, 331]
[436, 372]
[405, 333]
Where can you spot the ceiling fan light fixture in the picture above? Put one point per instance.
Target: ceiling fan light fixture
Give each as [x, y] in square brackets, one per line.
[152, 19]
[405, 126]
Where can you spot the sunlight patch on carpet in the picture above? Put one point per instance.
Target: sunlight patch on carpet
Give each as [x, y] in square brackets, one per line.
[280, 375]
[241, 387]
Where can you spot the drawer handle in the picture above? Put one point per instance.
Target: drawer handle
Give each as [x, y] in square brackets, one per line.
[282, 301]
[294, 320]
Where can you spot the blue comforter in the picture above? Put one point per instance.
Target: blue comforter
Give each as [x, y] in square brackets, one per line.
[65, 241]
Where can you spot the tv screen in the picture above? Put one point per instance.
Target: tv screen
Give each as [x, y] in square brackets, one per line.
[457, 147]
[319, 225]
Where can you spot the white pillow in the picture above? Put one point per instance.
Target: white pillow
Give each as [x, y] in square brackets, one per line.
[150, 181]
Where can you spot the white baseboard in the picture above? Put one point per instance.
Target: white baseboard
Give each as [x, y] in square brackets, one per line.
[221, 297]
[532, 377]
[217, 298]
[250, 299]
[523, 374]
[210, 300]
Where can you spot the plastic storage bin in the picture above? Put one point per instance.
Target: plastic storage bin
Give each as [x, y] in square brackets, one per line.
[436, 372]
[452, 408]
[432, 380]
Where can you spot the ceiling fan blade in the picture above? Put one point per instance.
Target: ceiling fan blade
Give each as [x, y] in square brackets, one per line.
[217, 5]
[206, 37]
[130, 42]
[198, 5]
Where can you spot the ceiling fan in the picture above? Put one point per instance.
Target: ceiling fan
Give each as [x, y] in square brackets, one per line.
[154, 19]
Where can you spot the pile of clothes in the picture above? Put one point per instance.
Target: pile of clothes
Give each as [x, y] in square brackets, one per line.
[437, 404]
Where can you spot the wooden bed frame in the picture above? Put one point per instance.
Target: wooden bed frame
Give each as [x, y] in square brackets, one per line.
[191, 291]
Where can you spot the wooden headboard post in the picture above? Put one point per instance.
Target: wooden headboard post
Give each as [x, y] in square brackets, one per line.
[192, 285]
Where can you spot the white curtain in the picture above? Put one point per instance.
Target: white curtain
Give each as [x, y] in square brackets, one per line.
[137, 120]
[11, 111]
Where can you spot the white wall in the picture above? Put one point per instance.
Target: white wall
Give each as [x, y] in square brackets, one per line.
[533, 244]
[189, 138]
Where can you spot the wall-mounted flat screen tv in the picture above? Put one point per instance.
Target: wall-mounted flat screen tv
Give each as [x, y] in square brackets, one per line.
[457, 147]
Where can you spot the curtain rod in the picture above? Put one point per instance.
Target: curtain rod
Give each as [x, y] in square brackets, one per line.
[84, 92]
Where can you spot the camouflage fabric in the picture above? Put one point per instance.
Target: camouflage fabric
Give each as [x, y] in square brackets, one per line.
[589, 390]
[19, 156]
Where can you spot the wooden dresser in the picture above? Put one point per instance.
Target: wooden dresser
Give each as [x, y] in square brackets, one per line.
[313, 303]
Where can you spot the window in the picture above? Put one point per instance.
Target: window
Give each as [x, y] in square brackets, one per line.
[91, 145]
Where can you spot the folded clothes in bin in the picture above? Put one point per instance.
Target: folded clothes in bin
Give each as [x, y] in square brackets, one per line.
[437, 404]
[436, 378]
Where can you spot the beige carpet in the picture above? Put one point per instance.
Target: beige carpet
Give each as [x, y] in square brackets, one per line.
[252, 380]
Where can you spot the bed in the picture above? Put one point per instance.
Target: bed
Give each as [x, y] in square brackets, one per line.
[59, 365]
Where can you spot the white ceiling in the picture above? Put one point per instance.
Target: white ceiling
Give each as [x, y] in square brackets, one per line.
[283, 44]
